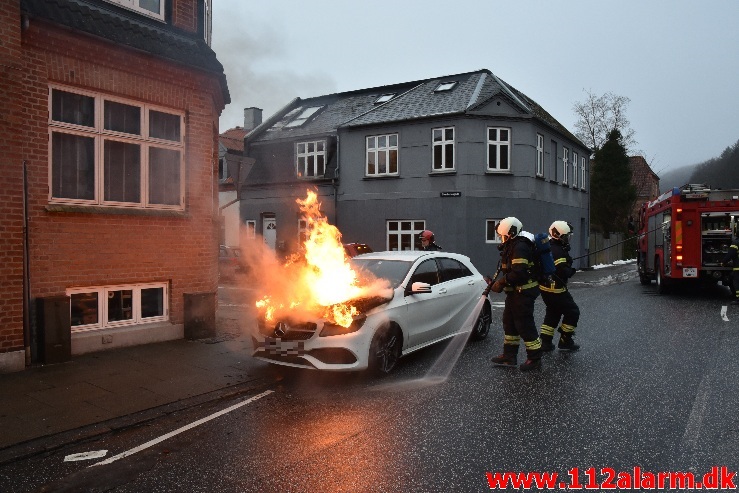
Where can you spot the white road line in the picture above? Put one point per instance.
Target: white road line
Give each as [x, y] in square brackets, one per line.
[95, 454]
[723, 314]
[180, 430]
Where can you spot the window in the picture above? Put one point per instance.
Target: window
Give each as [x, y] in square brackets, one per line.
[539, 155]
[114, 153]
[103, 307]
[152, 8]
[311, 159]
[251, 228]
[303, 116]
[452, 269]
[403, 235]
[582, 173]
[382, 155]
[499, 149]
[491, 233]
[445, 86]
[443, 140]
[574, 169]
[303, 231]
[384, 98]
[565, 164]
[207, 21]
[427, 272]
[553, 162]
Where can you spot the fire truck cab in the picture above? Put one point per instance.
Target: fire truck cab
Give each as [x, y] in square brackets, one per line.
[685, 233]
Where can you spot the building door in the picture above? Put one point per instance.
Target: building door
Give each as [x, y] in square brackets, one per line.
[269, 231]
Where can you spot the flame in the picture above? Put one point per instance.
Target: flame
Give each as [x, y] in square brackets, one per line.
[319, 281]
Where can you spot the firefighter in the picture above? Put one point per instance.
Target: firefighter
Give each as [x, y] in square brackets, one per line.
[521, 289]
[427, 241]
[732, 257]
[556, 296]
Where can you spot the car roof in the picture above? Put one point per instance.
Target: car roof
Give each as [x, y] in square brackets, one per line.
[410, 255]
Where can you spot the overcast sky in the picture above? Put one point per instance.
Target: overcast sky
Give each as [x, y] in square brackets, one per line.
[676, 60]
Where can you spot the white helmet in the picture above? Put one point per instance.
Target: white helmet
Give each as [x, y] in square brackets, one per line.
[508, 228]
[560, 229]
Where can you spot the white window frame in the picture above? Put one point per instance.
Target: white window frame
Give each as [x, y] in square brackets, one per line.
[445, 86]
[400, 229]
[565, 164]
[574, 169]
[302, 151]
[496, 237]
[135, 5]
[251, 228]
[384, 98]
[539, 155]
[582, 173]
[208, 21]
[100, 136]
[381, 146]
[102, 305]
[442, 144]
[494, 162]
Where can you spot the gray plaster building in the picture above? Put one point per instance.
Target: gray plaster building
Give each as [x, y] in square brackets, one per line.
[453, 154]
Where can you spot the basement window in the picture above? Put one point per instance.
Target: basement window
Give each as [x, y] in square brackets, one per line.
[103, 307]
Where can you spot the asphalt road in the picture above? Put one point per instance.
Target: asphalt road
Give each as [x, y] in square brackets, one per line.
[654, 388]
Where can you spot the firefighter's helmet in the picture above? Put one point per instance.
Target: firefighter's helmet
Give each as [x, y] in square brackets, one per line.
[560, 230]
[427, 235]
[509, 228]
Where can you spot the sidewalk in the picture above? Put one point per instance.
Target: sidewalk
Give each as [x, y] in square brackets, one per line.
[98, 392]
[48, 406]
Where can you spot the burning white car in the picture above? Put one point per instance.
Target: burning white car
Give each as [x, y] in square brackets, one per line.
[427, 297]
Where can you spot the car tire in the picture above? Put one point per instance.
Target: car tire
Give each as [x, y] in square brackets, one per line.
[482, 325]
[385, 350]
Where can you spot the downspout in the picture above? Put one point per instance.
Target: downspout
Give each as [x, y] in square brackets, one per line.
[26, 273]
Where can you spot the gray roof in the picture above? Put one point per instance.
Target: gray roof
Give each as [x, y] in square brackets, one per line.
[129, 29]
[411, 101]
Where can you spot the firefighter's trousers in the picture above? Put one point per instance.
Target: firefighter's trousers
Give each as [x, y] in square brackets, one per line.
[735, 282]
[560, 305]
[518, 322]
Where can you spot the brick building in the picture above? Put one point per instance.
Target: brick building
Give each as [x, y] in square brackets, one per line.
[644, 180]
[109, 183]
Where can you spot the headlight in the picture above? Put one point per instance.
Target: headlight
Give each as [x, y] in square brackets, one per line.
[330, 329]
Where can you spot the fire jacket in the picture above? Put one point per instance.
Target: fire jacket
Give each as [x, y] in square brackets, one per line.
[563, 265]
[516, 264]
[732, 254]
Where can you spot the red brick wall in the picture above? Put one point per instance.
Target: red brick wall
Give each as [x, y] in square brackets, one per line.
[81, 249]
[184, 14]
[12, 79]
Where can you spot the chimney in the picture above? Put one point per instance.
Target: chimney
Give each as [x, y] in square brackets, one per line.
[252, 118]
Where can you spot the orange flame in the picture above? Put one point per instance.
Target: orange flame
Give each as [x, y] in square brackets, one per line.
[319, 281]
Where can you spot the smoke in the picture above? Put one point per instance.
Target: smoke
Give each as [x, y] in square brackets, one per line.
[250, 53]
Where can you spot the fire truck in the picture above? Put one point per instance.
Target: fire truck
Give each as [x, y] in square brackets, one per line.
[685, 233]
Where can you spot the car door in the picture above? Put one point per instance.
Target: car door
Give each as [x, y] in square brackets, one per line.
[462, 290]
[425, 311]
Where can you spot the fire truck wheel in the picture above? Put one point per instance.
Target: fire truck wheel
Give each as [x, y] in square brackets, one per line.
[644, 279]
[385, 349]
[662, 283]
[482, 326]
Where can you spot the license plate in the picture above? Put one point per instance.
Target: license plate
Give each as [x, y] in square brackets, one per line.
[690, 272]
[274, 345]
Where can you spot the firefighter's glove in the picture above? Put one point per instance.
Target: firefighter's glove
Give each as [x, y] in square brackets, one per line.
[498, 286]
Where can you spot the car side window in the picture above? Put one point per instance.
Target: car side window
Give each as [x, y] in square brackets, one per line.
[453, 269]
[426, 272]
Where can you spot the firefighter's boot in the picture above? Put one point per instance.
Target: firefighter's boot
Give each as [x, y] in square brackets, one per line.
[566, 342]
[508, 358]
[530, 364]
[533, 355]
[546, 343]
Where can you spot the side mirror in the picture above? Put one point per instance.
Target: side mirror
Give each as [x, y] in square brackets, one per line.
[419, 287]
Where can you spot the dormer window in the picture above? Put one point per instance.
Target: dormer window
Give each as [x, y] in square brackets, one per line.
[304, 116]
[152, 8]
[446, 86]
[384, 98]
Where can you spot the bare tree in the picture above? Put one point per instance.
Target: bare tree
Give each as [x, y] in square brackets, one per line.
[599, 115]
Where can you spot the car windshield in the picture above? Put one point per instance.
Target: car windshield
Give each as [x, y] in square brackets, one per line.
[392, 270]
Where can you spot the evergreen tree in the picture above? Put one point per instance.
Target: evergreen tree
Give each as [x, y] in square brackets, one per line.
[719, 172]
[612, 195]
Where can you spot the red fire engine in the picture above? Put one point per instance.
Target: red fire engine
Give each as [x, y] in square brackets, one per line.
[684, 234]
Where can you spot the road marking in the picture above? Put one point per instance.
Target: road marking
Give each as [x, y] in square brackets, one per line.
[723, 314]
[180, 430]
[95, 454]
